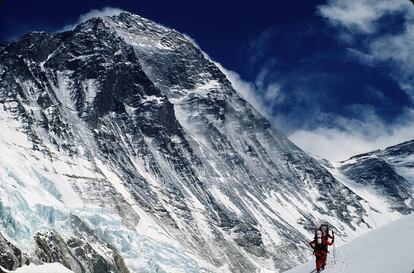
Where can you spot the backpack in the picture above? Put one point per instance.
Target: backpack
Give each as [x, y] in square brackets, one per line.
[318, 237]
[319, 245]
[325, 230]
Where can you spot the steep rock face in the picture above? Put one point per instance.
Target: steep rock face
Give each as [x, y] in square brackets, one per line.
[389, 172]
[128, 136]
[10, 256]
[82, 253]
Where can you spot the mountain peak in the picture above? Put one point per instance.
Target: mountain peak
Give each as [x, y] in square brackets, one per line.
[124, 129]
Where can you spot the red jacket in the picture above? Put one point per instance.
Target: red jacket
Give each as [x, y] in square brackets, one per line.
[325, 241]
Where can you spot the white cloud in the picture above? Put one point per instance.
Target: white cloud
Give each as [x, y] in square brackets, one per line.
[399, 51]
[394, 49]
[361, 15]
[106, 11]
[353, 137]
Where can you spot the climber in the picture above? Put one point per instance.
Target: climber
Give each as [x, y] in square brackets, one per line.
[320, 246]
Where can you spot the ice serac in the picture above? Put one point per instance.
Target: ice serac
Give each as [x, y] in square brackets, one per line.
[124, 149]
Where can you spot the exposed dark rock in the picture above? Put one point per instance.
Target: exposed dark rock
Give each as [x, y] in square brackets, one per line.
[10, 256]
[78, 253]
[379, 170]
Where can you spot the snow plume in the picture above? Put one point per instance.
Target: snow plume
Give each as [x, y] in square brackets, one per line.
[263, 96]
[106, 11]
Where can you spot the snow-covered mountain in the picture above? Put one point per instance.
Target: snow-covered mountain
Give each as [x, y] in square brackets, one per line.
[124, 149]
[384, 250]
[385, 177]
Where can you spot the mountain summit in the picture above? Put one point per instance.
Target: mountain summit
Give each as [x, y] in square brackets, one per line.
[124, 149]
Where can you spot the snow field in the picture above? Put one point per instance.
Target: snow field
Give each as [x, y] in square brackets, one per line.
[389, 249]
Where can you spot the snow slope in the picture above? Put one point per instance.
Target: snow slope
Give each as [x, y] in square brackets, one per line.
[389, 249]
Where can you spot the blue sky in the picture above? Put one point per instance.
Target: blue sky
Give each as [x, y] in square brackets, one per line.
[336, 76]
